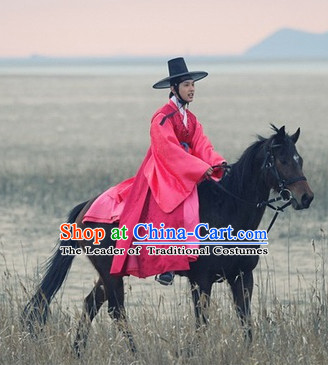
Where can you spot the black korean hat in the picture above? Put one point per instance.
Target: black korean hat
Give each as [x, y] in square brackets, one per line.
[178, 72]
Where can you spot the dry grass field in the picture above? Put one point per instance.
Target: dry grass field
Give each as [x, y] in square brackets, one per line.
[66, 138]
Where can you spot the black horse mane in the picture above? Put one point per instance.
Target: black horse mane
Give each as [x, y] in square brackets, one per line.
[242, 170]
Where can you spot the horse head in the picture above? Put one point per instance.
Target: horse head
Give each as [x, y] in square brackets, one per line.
[283, 167]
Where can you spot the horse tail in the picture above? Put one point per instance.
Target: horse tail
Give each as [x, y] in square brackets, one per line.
[56, 271]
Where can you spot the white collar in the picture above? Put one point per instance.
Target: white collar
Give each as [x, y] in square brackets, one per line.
[181, 109]
[178, 104]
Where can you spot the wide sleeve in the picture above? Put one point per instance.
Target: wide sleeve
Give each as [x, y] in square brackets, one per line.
[203, 149]
[171, 172]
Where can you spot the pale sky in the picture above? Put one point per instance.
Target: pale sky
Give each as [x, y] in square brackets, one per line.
[149, 27]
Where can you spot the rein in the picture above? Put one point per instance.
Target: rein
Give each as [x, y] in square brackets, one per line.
[270, 165]
[285, 194]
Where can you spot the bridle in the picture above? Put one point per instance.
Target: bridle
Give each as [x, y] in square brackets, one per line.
[284, 194]
[269, 164]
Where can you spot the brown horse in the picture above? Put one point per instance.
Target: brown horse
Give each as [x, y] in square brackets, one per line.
[238, 200]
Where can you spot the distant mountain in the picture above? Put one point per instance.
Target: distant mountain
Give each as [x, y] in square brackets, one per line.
[291, 44]
[285, 44]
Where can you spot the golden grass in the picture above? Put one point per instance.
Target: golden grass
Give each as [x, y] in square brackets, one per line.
[294, 332]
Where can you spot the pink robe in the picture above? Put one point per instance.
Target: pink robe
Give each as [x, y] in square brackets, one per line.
[164, 190]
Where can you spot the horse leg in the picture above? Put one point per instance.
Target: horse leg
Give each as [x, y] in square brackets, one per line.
[113, 285]
[116, 310]
[109, 288]
[242, 289]
[201, 292]
[92, 304]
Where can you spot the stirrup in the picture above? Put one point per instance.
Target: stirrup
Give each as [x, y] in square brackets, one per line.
[166, 278]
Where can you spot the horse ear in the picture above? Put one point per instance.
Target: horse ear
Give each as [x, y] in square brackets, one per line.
[295, 136]
[280, 134]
